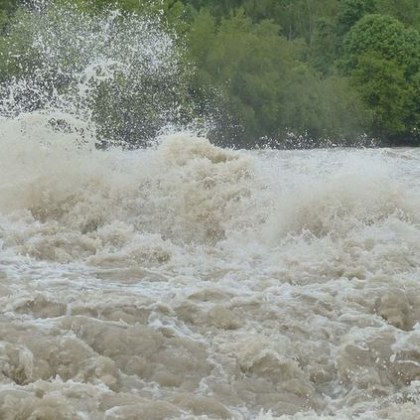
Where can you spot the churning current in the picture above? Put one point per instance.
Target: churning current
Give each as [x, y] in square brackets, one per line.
[186, 281]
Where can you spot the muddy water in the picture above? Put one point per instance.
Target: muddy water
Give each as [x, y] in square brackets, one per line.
[190, 282]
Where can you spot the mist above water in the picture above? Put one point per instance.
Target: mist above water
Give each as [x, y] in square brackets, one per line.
[189, 281]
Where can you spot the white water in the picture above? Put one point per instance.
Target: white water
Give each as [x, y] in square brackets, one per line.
[185, 281]
[189, 282]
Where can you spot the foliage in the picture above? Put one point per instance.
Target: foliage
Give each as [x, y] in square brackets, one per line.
[257, 70]
[262, 79]
[383, 58]
[248, 63]
[387, 37]
[7, 7]
[406, 11]
[351, 11]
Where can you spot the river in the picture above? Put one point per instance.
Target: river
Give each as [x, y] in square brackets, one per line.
[183, 280]
[186, 281]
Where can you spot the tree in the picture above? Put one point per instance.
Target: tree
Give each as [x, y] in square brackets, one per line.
[248, 64]
[351, 11]
[387, 37]
[407, 11]
[383, 58]
[385, 90]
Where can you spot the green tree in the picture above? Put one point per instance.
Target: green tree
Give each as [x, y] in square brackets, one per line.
[350, 12]
[248, 64]
[387, 37]
[407, 11]
[383, 58]
[296, 18]
[325, 46]
[385, 90]
[7, 7]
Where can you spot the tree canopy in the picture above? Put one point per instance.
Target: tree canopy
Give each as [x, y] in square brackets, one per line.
[263, 72]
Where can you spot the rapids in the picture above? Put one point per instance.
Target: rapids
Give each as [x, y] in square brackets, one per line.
[183, 280]
[186, 281]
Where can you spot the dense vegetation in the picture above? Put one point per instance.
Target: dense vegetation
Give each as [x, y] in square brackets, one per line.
[277, 72]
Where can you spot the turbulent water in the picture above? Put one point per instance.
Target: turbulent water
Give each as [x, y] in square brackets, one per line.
[185, 281]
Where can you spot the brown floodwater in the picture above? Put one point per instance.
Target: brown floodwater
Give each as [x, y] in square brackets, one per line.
[186, 281]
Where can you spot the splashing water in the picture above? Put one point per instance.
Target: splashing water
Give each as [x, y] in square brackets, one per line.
[186, 281]
[120, 74]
